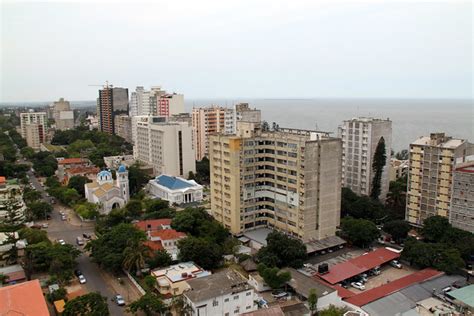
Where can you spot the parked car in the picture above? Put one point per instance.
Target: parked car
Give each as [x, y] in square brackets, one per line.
[77, 272]
[79, 240]
[86, 236]
[375, 271]
[119, 300]
[63, 217]
[44, 225]
[396, 264]
[358, 285]
[279, 294]
[82, 279]
[364, 277]
[61, 242]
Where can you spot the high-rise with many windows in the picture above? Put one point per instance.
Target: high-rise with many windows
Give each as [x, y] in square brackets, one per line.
[430, 178]
[360, 137]
[155, 102]
[286, 179]
[461, 214]
[33, 128]
[111, 102]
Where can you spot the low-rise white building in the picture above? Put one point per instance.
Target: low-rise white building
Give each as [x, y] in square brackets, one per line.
[175, 190]
[224, 293]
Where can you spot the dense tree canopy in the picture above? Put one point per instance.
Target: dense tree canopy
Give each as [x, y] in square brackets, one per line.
[137, 178]
[378, 164]
[108, 249]
[434, 228]
[204, 252]
[39, 210]
[44, 163]
[273, 277]
[361, 206]
[282, 251]
[160, 258]
[398, 229]
[90, 304]
[77, 183]
[149, 304]
[359, 232]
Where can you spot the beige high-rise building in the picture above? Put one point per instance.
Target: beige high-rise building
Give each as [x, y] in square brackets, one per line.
[461, 214]
[288, 180]
[33, 128]
[165, 145]
[123, 127]
[360, 138]
[216, 119]
[432, 161]
[210, 120]
[62, 114]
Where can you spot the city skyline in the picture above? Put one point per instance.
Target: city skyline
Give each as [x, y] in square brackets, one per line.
[231, 50]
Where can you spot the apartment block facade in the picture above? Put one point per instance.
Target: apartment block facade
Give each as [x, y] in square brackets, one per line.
[219, 120]
[360, 137]
[155, 102]
[210, 120]
[123, 127]
[33, 128]
[111, 102]
[165, 145]
[289, 180]
[461, 214]
[63, 115]
[430, 178]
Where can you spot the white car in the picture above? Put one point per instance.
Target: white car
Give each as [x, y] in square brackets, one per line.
[82, 279]
[61, 242]
[358, 285]
[119, 300]
[396, 264]
[44, 225]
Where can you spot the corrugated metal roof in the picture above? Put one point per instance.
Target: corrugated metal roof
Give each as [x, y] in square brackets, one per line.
[173, 183]
[358, 265]
[465, 295]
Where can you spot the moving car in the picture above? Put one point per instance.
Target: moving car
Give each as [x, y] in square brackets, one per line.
[79, 241]
[119, 300]
[61, 242]
[358, 285]
[82, 279]
[396, 264]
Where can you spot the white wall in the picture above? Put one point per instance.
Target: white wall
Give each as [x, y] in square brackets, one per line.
[225, 305]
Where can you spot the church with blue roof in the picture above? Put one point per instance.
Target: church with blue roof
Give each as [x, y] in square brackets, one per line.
[175, 190]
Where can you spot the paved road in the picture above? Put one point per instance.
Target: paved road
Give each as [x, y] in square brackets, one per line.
[65, 230]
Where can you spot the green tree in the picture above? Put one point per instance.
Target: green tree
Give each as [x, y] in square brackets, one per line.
[150, 283]
[160, 258]
[156, 205]
[3, 278]
[203, 171]
[360, 232]
[434, 228]
[34, 236]
[52, 182]
[81, 147]
[108, 249]
[282, 251]
[396, 197]
[150, 304]
[204, 252]
[402, 155]
[62, 260]
[360, 206]
[135, 255]
[380, 159]
[87, 210]
[137, 178]
[91, 304]
[398, 229]
[313, 301]
[134, 208]
[59, 294]
[39, 210]
[273, 277]
[70, 197]
[27, 152]
[77, 183]
[31, 196]
[332, 311]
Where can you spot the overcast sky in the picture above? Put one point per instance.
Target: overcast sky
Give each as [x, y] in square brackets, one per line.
[230, 49]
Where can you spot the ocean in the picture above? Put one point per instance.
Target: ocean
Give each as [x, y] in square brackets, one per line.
[410, 118]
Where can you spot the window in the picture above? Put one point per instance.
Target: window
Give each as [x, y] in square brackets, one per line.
[248, 307]
[226, 300]
[215, 303]
[248, 293]
[236, 297]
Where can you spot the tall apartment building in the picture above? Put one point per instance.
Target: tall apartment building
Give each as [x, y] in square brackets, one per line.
[111, 102]
[210, 120]
[33, 128]
[123, 127]
[165, 145]
[461, 214]
[63, 115]
[360, 137]
[155, 102]
[288, 180]
[216, 119]
[12, 207]
[432, 161]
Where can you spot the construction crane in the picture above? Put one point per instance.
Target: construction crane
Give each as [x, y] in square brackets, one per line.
[105, 86]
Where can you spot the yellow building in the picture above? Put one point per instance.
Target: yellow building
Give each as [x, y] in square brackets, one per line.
[288, 179]
[432, 161]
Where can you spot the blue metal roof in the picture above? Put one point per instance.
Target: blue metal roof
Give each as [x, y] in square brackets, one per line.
[172, 183]
[104, 173]
[122, 168]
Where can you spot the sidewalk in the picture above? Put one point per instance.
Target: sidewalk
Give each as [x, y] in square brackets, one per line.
[127, 289]
[72, 217]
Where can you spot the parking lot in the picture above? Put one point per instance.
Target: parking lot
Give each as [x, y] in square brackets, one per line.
[388, 275]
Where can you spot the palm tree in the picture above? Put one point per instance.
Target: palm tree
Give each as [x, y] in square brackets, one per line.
[135, 255]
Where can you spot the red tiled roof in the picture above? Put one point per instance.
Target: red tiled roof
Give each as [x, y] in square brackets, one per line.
[358, 265]
[167, 234]
[342, 292]
[3, 180]
[394, 286]
[83, 170]
[153, 245]
[154, 223]
[67, 161]
[23, 299]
